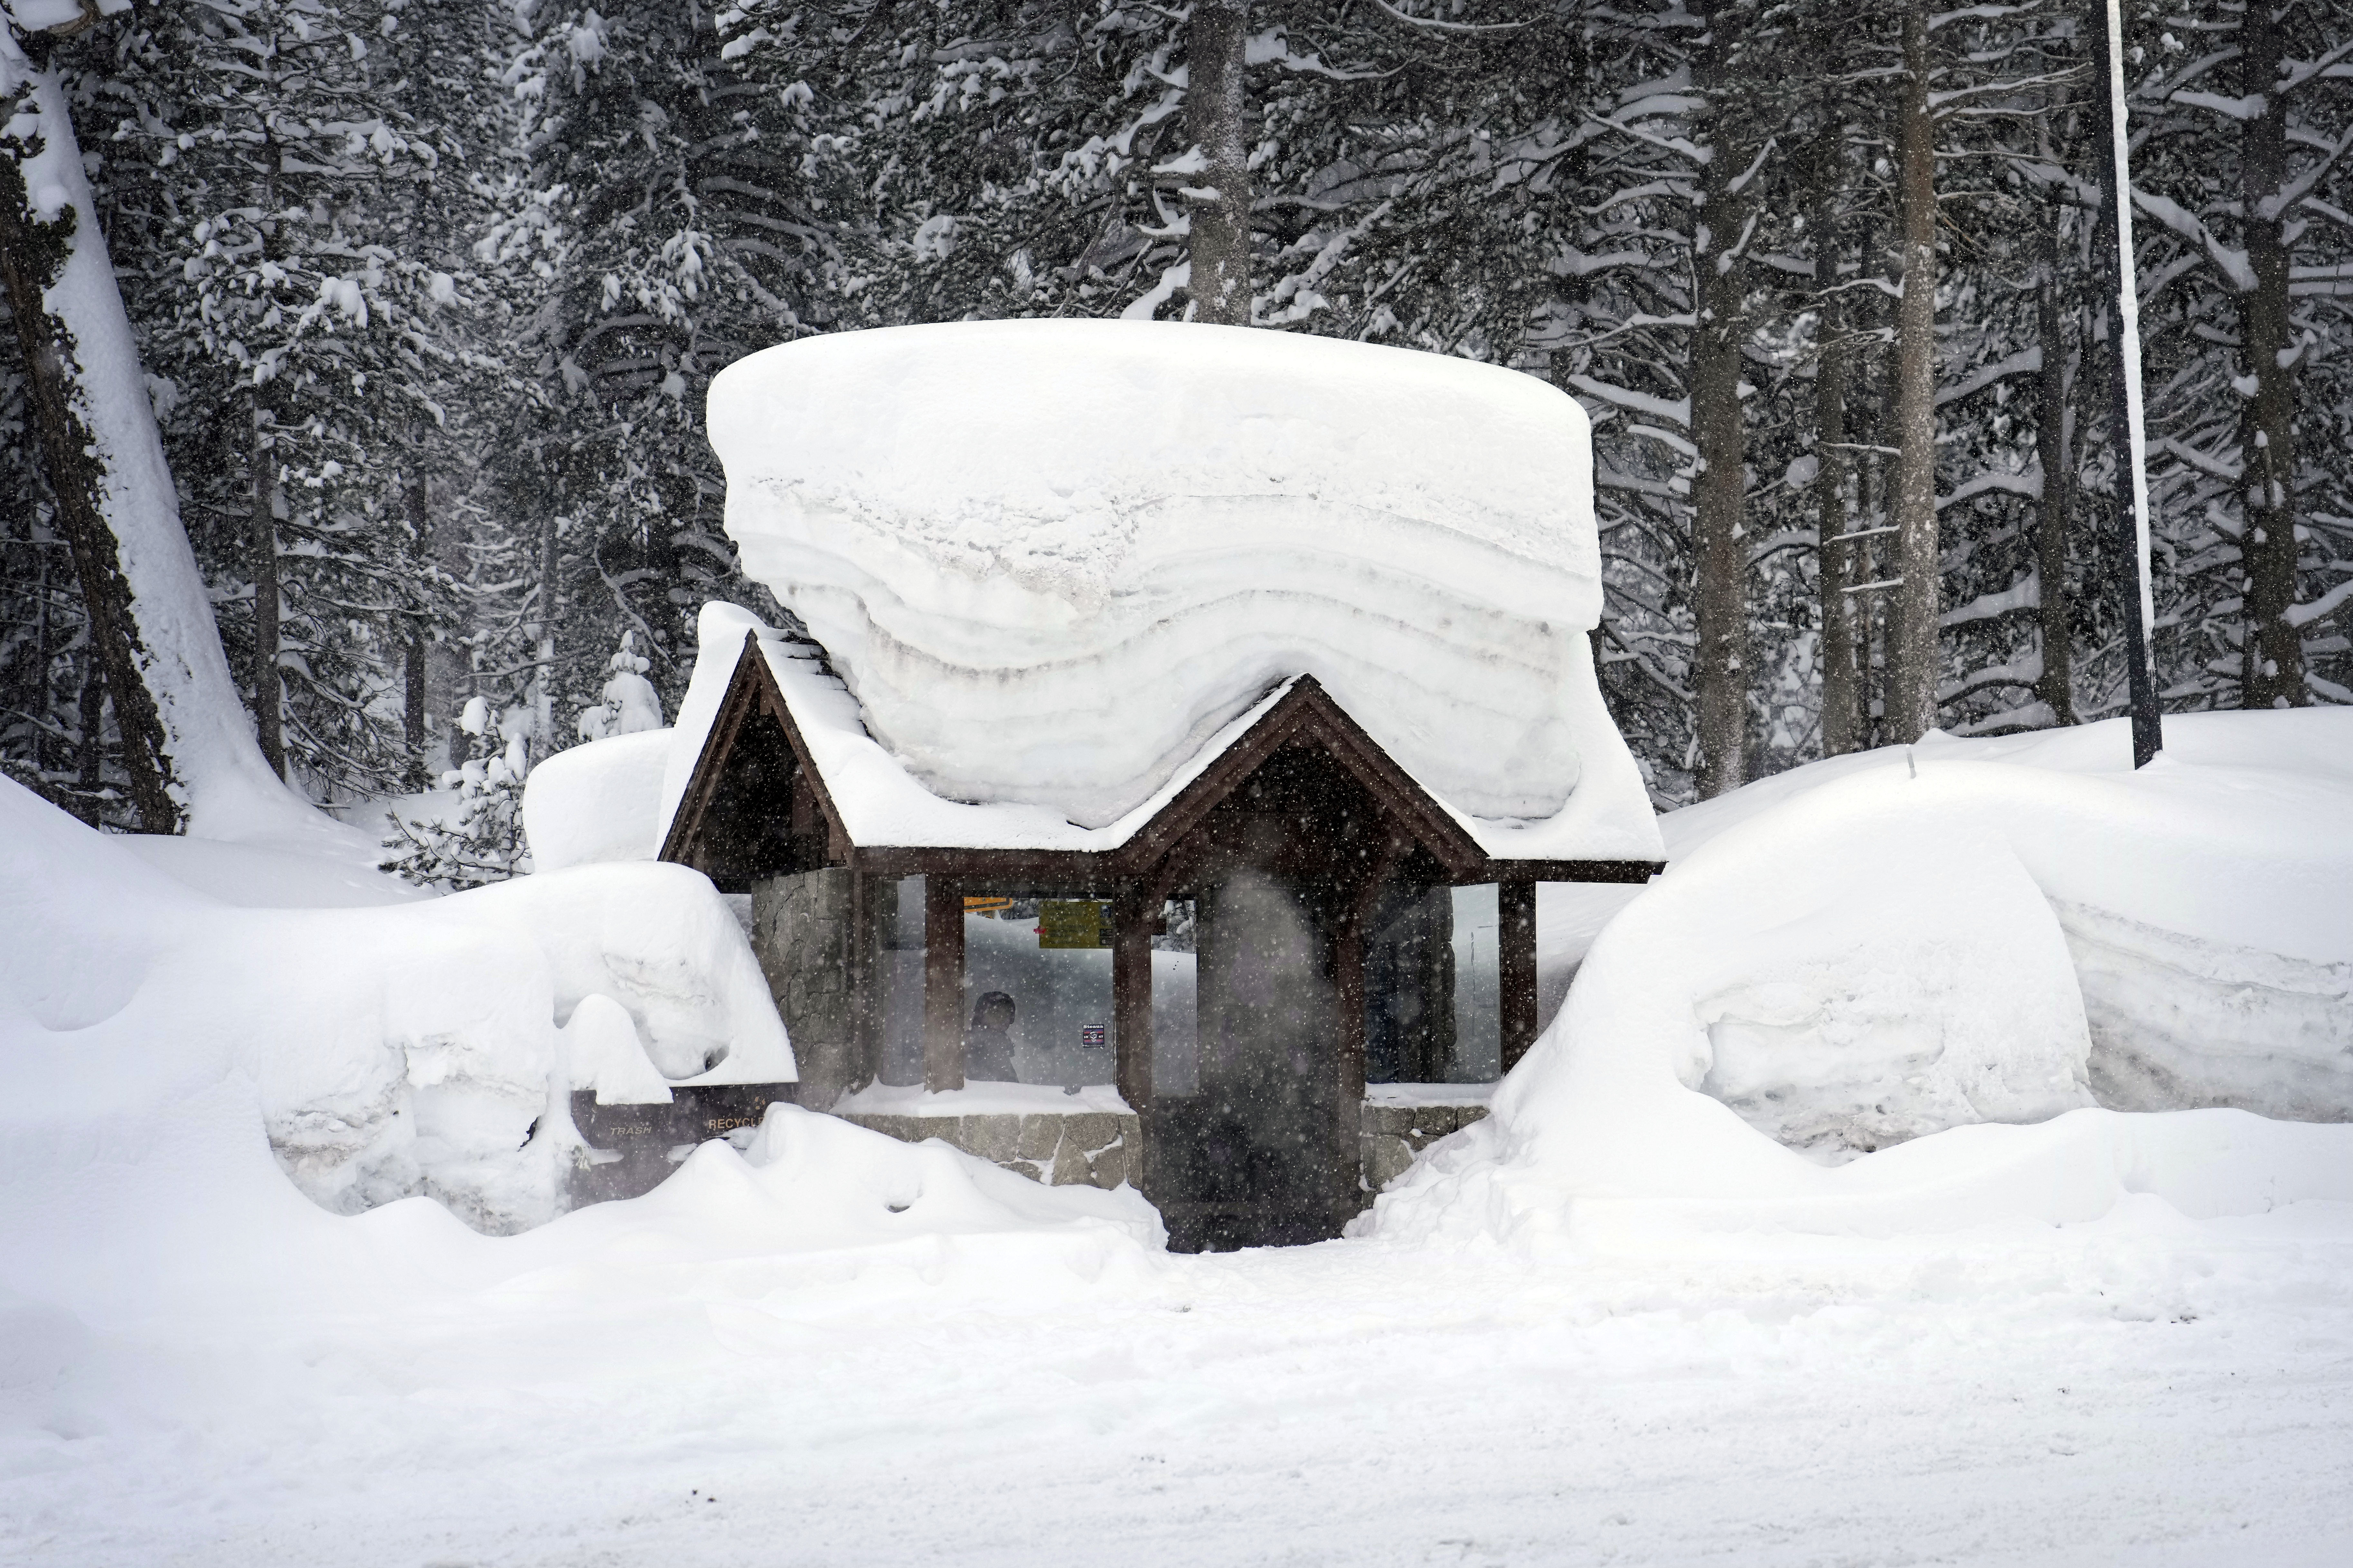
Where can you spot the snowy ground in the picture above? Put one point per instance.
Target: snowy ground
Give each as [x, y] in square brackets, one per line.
[1615, 1323]
[2122, 1393]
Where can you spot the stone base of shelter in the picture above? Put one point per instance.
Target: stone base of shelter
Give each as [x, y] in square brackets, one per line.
[635, 1147]
[1101, 1149]
[1389, 1136]
[1080, 1149]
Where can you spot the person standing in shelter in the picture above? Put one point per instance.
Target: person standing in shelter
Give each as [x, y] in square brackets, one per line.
[988, 1043]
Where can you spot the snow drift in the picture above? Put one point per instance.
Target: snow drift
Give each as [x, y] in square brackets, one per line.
[389, 1050]
[1898, 982]
[1916, 942]
[597, 803]
[167, 1061]
[1051, 559]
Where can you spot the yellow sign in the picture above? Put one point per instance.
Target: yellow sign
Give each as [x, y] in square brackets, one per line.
[986, 906]
[1072, 922]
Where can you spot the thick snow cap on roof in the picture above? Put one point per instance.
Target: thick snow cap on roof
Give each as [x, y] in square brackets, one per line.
[1051, 560]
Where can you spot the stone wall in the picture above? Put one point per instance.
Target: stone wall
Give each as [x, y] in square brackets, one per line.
[638, 1145]
[1389, 1136]
[1092, 1149]
[1100, 1148]
[804, 930]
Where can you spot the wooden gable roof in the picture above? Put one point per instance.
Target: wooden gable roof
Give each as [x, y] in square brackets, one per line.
[744, 816]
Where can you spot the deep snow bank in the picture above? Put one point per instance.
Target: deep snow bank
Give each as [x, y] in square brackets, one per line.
[1858, 975]
[385, 1051]
[598, 802]
[1923, 939]
[1051, 558]
[167, 1061]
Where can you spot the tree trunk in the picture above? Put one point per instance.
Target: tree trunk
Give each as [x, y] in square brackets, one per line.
[2056, 684]
[268, 693]
[2271, 647]
[36, 245]
[93, 736]
[421, 523]
[1914, 645]
[550, 594]
[186, 745]
[44, 651]
[1841, 690]
[1873, 425]
[1216, 48]
[2122, 292]
[1726, 210]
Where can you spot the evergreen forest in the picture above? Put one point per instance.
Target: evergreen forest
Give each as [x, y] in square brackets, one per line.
[426, 296]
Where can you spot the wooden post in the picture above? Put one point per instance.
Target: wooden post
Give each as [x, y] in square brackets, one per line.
[1347, 1131]
[861, 962]
[1131, 998]
[1515, 964]
[943, 984]
[1348, 974]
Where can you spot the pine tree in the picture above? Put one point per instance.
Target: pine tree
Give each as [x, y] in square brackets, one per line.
[295, 210]
[629, 704]
[477, 838]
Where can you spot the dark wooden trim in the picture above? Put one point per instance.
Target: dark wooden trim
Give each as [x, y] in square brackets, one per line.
[1516, 968]
[1131, 996]
[1564, 871]
[753, 686]
[865, 995]
[1392, 787]
[1349, 966]
[944, 1061]
[1071, 872]
[772, 697]
[709, 763]
[1305, 713]
[1082, 872]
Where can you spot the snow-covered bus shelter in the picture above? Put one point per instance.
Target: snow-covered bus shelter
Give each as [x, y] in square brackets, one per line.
[1171, 709]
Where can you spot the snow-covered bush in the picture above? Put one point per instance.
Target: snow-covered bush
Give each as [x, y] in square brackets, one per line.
[630, 702]
[480, 837]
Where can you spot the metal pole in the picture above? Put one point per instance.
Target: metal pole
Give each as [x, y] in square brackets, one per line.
[2126, 435]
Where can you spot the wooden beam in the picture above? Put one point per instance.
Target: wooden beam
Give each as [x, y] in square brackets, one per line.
[1306, 712]
[1564, 871]
[1065, 873]
[943, 984]
[865, 992]
[1516, 965]
[686, 826]
[1347, 1132]
[1131, 998]
[1085, 873]
[1348, 970]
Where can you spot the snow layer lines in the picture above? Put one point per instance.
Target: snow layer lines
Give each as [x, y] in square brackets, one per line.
[883, 804]
[1052, 561]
